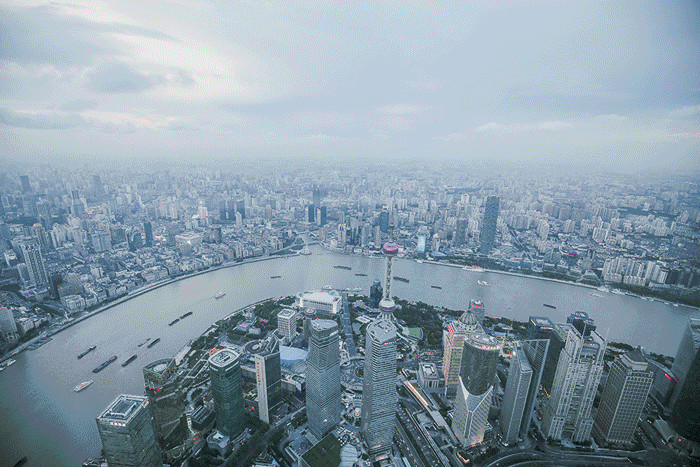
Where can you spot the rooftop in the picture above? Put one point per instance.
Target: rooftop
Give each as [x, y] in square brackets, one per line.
[286, 313]
[382, 330]
[224, 358]
[123, 408]
[325, 453]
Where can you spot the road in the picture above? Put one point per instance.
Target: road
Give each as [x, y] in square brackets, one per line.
[347, 328]
[407, 447]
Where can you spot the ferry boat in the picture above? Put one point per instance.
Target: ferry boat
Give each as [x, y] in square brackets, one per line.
[153, 343]
[10, 362]
[436, 286]
[400, 279]
[595, 294]
[219, 294]
[340, 266]
[129, 360]
[549, 306]
[82, 386]
[186, 315]
[305, 250]
[87, 351]
[482, 282]
[104, 365]
[275, 277]
[142, 343]
[173, 321]
[473, 269]
[360, 274]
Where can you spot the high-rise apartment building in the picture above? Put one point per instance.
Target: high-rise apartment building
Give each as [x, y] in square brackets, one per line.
[568, 412]
[379, 396]
[475, 390]
[167, 402]
[128, 434]
[323, 391]
[35, 263]
[268, 377]
[623, 399]
[225, 374]
[287, 322]
[487, 235]
[685, 401]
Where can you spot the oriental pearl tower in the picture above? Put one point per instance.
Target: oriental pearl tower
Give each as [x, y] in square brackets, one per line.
[387, 305]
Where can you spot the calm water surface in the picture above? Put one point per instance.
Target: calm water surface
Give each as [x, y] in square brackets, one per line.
[42, 418]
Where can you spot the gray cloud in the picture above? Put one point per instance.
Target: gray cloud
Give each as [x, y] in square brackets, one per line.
[78, 104]
[44, 121]
[121, 78]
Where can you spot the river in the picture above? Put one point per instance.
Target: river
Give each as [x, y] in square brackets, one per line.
[42, 418]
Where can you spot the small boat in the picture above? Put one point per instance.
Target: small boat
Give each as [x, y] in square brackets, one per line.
[275, 277]
[129, 360]
[436, 286]
[482, 282]
[219, 294]
[340, 266]
[595, 294]
[153, 343]
[142, 343]
[104, 365]
[82, 386]
[173, 321]
[327, 287]
[305, 250]
[360, 274]
[87, 351]
[549, 306]
[10, 362]
[400, 279]
[186, 315]
[419, 261]
[21, 462]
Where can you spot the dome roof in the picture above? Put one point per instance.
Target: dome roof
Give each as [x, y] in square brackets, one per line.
[468, 319]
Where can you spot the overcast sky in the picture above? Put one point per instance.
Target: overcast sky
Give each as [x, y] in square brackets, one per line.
[595, 84]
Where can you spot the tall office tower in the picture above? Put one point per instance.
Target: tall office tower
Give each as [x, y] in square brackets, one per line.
[475, 389]
[167, 402]
[321, 216]
[384, 221]
[148, 231]
[540, 327]
[310, 213]
[518, 402]
[515, 395]
[453, 347]
[8, 327]
[309, 315]
[488, 228]
[128, 434]
[379, 396]
[376, 292]
[268, 377]
[582, 322]
[317, 198]
[323, 402]
[460, 231]
[623, 399]
[76, 203]
[26, 186]
[685, 401]
[479, 310]
[287, 322]
[35, 263]
[568, 412]
[225, 374]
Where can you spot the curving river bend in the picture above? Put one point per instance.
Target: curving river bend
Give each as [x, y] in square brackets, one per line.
[42, 418]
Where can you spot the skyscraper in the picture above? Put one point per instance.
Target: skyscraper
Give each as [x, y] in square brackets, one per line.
[287, 322]
[623, 399]
[375, 293]
[167, 402]
[317, 198]
[148, 231]
[379, 396]
[685, 401]
[540, 327]
[26, 186]
[35, 263]
[523, 383]
[225, 374]
[128, 434]
[323, 401]
[475, 390]
[479, 310]
[568, 412]
[488, 228]
[453, 347]
[460, 231]
[268, 377]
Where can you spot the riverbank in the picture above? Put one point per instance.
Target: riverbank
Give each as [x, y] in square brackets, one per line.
[133, 294]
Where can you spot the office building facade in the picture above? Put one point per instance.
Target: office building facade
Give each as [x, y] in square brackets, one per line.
[568, 411]
[35, 263]
[453, 347]
[323, 391]
[515, 395]
[287, 323]
[167, 402]
[268, 378]
[685, 401]
[487, 236]
[225, 374]
[128, 434]
[623, 399]
[540, 327]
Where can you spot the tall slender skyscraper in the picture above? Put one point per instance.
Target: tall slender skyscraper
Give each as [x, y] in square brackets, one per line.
[167, 402]
[379, 396]
[623, 399]
[128, 434]
[475, 390]
[453, 347]
[323, 391]
[35, 263]
[225, 374]
[268, 378]
[568, 412]
[540, 327]
[685, 401]
[488, 228]
[148, 232]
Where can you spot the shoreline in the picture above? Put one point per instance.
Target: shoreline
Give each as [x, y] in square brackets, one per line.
[133, 294]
